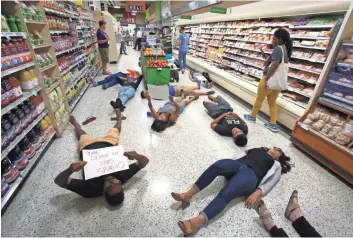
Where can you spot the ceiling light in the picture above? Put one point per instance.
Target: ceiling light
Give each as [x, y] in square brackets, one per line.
[91, 4]
[116, 6]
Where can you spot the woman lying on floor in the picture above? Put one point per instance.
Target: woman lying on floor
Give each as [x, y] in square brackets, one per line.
[253, 175]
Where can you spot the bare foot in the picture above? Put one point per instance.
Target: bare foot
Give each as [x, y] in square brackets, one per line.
[186, 227]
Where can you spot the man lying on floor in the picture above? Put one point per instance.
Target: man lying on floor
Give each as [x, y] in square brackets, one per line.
[118, 78]
[108, 185]
[126, 92]
[203, 79]
[226, 122]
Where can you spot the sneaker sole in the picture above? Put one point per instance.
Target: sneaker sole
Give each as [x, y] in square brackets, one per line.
[270, 128]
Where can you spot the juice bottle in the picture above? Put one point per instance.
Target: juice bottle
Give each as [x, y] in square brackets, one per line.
[12, 24]
[5, 50]
[18, 158]
[24, 45]
[32, 109]
[19, 25]
[15, 122]
[34, 139]
[4, 99]
[4, 186]
[21, 117]
[9, 170]
[18, 45]
[40, 133]
[26, 81]
[41, 102]
[12, 48]
[34, 77]
[16, 87]
[27, 114]
[27, 148]
[8, 129]
[4, 140]
[10, 92]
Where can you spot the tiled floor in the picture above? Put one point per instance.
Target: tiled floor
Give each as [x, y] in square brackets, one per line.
[177, 157]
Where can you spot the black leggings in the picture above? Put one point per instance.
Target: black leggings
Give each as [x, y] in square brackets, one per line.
[301, 225]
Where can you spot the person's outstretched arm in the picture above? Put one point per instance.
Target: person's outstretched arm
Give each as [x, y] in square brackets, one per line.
[175, 115]
[63, 179]
[153, 111]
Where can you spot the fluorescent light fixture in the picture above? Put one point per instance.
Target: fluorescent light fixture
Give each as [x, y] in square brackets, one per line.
[116, 6]
[91, 4]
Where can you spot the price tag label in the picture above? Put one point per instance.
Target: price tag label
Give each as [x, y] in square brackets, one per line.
[156, 51]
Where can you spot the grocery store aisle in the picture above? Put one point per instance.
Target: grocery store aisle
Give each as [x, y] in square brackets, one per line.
[177, 158]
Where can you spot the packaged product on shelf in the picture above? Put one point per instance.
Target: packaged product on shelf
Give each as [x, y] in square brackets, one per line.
[38, 104]
[12, 24]
[27, 114]
[15, 122]
[28, 149]
[10, 92]
[4, 24]
[19, 25]
[21, 117]
[32, 108]
[9, 170]
[34, 78]
[8, 131]
[53, 98]
[34, 139]
[16, 87]
[5, 50]
[4, 186]
[11, 45]
[26, 81]
[46, 126]
[40, 133]
[4, 98]
[18, 158]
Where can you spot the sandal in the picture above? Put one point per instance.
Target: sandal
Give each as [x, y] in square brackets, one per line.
[296, 206]
[115, 118]
[88, 120]
[184, 203]
[183, 228]
[266, 219]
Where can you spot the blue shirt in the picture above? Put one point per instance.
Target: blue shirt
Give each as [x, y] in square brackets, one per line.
[184, 42]
[171, 91]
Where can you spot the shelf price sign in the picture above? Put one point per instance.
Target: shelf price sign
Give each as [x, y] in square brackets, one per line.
[219, 10]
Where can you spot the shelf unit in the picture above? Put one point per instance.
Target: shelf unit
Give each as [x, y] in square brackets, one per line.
[242, 37]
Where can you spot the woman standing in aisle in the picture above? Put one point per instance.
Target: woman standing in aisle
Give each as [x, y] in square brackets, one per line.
[253, 176]
[275, 77]
[183, 42]
[103, 44]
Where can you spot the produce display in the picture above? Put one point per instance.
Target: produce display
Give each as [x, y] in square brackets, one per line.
[236, 47]
[157, 64]
[149, 52]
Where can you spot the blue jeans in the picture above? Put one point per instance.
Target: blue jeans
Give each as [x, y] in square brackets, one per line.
[242, 181]
[182, 59]
[112, 80]
[125, 93]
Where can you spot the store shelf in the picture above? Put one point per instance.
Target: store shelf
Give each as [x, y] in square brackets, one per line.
[308, 128]
[24, 173]
[345, 65]
[312, 27]
[251, 41]
[237, 47]
[247, 56]
[311, 37]
[72, 107]
[40, 46]
[18, 138]
[298, 92]
[16, 69]
[342, 84]
[243, 62]
[53, 86]
[35, 22]
[308, 59]
[300, 104]
[47, 67]
[97, 71]
[74, 65]
[14, 104]
[68, 50]
[306, 70]
[339, 98]
[78, 77]
[62, 100]
[339, 106]
[59, 31]
[310, 47]
[13, 34]
[305, 80]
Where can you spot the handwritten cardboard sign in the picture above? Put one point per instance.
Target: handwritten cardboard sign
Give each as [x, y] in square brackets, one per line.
[104, 161]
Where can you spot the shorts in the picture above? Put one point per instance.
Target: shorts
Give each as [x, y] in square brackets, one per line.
[187, 92]
[182, 107]
[104, 52]
[111, 137]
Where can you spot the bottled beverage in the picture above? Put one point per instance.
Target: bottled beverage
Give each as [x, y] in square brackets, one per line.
[18, 45]
[26, 81]
[27, 148]
[16, 87]
[10, 92]
[12, 48]
[18, 158]
[24, 45]
[28, 116]
[34, 139]
[19, 24]
[40, 133]
[4, 186]
[5, 50]
[12, 24]
[21, 117]
[32, 109]
[34, 78]
[7, 129]
[9, 170]
[15, 122]
[4, 99]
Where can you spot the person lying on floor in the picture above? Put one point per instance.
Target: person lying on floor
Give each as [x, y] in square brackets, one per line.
[118, 78]
[167, 115]
[108, 185]
[126, 92]
[293, 213]
[253, 176]
[226, 122]
[203, 79]
[179, 90]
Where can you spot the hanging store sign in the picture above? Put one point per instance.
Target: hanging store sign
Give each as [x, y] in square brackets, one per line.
[135, 6]
[125, 18]
[187, 17]
[219, 10]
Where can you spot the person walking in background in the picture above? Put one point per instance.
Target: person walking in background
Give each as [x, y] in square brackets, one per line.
[122, 41]
[292, 213]
[275, 77]
[103, 43]
[138, 39]
[183, 42]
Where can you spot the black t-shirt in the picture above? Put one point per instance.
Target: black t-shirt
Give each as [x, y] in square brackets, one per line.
[94, 187]
[259, 161]
[227, 124]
